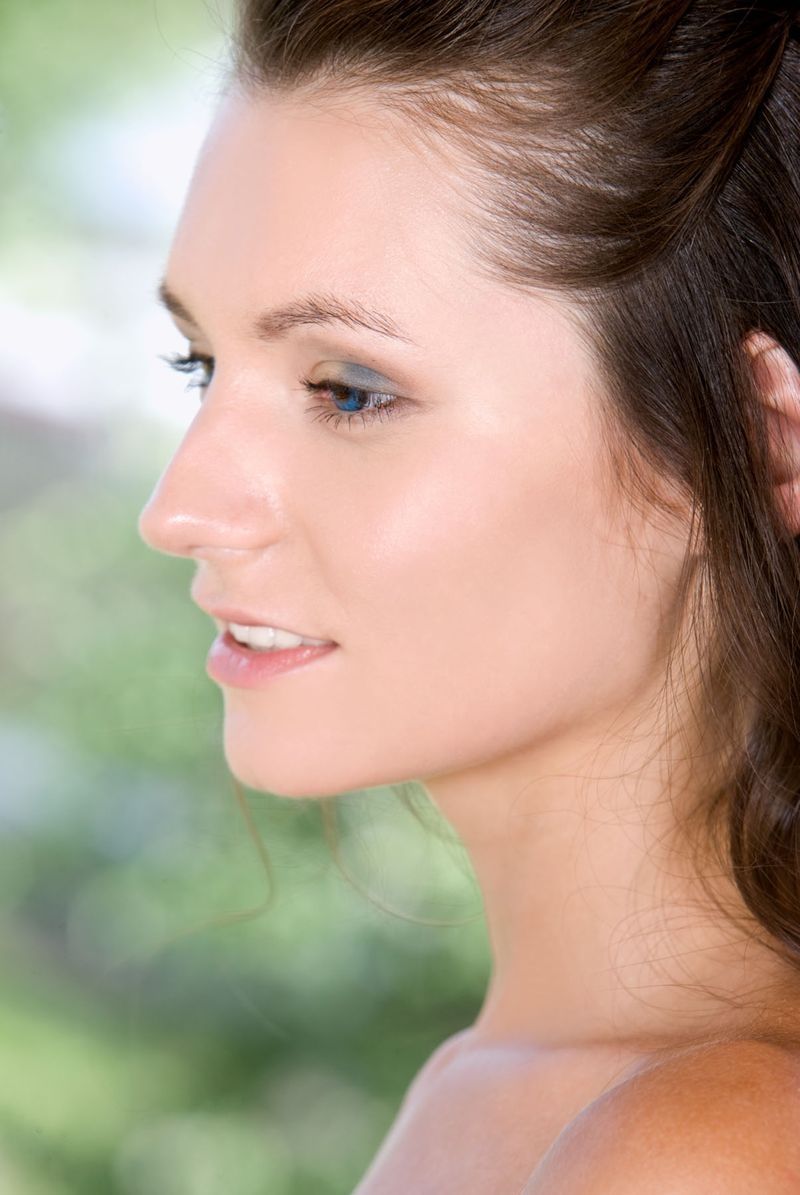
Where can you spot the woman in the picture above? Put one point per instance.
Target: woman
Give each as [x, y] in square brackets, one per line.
[496, 309]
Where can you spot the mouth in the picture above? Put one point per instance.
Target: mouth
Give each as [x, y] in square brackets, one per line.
[264, 638]
[243, 666]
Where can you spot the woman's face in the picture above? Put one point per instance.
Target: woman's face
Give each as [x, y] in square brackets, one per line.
[460, 549]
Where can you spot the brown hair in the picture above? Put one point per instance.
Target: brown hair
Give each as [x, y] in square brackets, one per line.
[642, 157]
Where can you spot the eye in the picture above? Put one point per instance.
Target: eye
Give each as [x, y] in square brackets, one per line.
[366, 405]
[189, 364]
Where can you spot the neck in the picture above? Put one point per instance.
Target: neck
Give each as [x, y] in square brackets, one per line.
[601, 933]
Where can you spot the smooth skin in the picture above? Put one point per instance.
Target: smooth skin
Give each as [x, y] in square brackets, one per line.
[501, 620]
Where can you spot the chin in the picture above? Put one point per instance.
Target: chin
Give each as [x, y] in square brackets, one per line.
[288, 781]
[296, 777]
[307, 765]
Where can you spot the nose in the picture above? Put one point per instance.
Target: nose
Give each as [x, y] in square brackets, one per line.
[213, 494]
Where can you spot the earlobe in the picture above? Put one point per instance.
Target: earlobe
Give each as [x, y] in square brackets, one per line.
[778, 380]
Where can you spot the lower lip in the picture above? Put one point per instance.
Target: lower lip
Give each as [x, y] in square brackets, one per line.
[232, 663]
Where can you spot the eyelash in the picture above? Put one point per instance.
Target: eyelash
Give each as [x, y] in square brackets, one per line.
[385, 410]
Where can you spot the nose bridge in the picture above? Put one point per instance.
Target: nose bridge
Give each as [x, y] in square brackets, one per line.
[213, 493]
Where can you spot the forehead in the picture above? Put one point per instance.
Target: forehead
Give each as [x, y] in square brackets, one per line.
[292, 196]
[294, 193]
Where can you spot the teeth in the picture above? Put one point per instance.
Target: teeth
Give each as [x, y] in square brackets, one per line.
[270, 638]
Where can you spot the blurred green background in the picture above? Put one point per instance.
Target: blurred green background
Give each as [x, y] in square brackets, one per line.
[178, 1015]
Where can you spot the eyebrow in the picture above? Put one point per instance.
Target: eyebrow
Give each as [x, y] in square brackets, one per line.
[310, 309]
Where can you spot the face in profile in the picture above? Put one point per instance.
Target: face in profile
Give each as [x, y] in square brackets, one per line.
[447, 523]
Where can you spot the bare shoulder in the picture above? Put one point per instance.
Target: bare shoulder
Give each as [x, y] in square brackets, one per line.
[718, 1119]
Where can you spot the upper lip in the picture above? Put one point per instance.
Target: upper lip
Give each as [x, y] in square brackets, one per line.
[248, 618]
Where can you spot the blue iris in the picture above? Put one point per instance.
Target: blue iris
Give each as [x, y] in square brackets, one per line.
[353, 404]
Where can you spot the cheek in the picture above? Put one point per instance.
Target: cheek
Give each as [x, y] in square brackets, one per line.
[487, 602]
[484, 604]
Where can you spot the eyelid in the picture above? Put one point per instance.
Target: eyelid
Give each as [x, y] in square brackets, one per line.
[359, 376]
[319, 343]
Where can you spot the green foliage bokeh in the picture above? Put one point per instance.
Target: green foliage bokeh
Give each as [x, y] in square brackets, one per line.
[174, 1017]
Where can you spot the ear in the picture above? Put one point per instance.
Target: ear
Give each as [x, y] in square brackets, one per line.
[778, 381]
